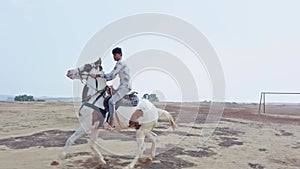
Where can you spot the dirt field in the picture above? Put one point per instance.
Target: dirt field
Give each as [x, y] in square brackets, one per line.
[32, 134]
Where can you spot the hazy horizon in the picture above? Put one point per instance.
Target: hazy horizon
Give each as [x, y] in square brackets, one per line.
[78, 99]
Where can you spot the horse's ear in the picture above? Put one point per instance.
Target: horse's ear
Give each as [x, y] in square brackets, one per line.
[98, 61]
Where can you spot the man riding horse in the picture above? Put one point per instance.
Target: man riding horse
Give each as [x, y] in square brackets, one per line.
[122, 70]
[143, 110]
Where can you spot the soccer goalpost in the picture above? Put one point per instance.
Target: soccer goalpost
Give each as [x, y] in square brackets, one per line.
[262, 102]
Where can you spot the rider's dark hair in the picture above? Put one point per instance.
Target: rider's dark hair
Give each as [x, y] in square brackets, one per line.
[117, 50]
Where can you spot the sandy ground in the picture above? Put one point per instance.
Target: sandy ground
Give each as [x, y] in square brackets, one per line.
[32, 134]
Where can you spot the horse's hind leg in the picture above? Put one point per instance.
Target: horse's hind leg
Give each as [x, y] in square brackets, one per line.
[76, 135]
[140, 139]
[152, 137]
[93, 145]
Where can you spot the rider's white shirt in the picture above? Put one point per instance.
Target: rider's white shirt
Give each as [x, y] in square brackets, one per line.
[122, 70]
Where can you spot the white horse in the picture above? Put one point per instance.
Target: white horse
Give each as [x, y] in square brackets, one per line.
[92, 115]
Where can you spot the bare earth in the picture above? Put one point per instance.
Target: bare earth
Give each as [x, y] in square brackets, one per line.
[32, 134]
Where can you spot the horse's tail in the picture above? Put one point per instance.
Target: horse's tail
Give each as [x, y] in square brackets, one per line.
[169, 116]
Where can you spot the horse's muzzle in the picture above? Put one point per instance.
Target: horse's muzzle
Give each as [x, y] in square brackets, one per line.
[69, 74]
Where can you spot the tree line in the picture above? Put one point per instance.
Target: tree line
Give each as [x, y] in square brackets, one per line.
[26, 98]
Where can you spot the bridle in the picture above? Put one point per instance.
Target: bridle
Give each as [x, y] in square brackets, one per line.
[84, 82]
[87, 74]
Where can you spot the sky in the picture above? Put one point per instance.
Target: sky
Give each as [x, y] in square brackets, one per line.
[257, 43]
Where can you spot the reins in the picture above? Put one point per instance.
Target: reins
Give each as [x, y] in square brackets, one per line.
[119, 121]
[86, 83]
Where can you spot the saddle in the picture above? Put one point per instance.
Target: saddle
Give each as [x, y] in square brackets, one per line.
[129, 100]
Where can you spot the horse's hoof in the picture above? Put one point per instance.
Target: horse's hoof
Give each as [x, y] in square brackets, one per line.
[102, 165]
[145, 159]
[54, 163]
[149, 159]
[127, 167]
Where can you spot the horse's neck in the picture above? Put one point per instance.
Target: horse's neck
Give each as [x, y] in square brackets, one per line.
[93, 85]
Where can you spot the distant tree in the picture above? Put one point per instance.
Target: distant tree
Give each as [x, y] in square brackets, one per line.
[205, 101]
[24, 98]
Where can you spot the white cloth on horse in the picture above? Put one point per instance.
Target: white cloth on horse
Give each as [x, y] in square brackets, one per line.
[122, 70]
[147, 108]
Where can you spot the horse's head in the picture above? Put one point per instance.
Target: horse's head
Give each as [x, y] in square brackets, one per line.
[83, 71]
[91, 85]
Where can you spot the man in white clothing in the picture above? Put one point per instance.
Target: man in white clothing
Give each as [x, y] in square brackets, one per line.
[122, 70]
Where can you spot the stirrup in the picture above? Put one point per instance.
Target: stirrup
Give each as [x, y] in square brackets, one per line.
[107, 126]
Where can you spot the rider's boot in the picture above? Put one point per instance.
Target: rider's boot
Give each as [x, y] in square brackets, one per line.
[111, 123]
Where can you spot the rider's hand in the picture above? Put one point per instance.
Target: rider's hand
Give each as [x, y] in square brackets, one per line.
[93, 75]
[97, 75]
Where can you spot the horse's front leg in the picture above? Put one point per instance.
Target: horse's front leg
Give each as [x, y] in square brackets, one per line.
[152, 138]
[94, 147]
[76, 135]
[140, 139]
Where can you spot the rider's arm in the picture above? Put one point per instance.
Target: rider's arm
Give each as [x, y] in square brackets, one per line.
[114, 72]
